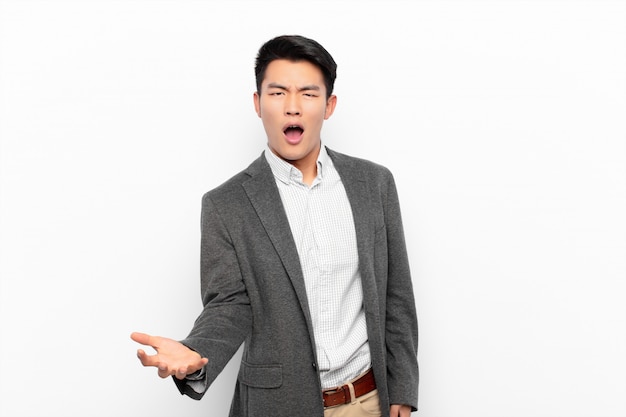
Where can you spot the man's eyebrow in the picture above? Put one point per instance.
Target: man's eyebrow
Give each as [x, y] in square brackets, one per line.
[309, 87]
[276, 85]
[303, 88]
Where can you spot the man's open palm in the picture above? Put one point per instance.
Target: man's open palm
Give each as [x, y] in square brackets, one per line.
[172, 357]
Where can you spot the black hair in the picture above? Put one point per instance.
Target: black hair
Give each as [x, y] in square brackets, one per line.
[296, 48]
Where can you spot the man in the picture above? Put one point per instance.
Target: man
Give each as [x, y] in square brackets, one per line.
[303, 259]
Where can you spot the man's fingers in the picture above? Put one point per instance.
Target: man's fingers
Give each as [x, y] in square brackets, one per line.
[400, 411]
[163, 371]
[198, 365]
[143, 338]
[181, 373]
[147, 360]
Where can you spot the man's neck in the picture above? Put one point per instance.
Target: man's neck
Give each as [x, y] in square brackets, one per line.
[308, 173]
[308, 166]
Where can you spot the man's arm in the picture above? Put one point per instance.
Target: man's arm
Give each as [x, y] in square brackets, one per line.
[226, 319]
[401, 323]
[223, 324]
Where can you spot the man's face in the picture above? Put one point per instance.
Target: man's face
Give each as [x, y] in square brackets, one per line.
[292, 105]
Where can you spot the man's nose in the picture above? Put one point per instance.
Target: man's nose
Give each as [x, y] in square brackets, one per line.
[292, 106]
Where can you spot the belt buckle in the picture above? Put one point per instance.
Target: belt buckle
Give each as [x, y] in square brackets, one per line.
[344, 389]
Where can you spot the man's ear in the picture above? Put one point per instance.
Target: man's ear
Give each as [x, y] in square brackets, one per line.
[330, 106]
[257, 103]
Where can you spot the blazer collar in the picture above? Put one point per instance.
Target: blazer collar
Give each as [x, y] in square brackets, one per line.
[263, 194]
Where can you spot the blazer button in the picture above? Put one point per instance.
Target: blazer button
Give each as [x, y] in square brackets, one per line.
[314, 366]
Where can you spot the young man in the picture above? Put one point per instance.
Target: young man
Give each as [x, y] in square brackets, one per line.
[304, 260]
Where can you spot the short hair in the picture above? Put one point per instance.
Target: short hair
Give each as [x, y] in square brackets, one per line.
[296, 48]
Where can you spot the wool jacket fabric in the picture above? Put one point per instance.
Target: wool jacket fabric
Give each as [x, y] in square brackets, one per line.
[253, 292]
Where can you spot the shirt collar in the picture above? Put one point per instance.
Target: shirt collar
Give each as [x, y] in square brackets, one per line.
[284, 171]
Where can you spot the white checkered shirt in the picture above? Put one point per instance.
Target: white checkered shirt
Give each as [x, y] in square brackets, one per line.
[321, 222]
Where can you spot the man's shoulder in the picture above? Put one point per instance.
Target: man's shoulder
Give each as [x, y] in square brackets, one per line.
[233, 185]
[364, 167]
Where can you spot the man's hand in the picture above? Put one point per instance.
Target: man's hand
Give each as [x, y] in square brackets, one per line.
[172, 357]
[400, 411]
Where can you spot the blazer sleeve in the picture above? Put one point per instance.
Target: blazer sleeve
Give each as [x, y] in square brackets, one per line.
[401, 316]
[226, 318]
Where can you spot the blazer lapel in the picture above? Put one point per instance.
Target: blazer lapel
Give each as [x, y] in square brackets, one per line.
[358, 192]
[264, 196]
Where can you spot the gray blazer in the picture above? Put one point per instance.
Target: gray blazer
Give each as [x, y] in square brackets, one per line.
[253, 291]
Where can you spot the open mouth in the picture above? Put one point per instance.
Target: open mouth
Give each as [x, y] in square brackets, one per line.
[293, 132]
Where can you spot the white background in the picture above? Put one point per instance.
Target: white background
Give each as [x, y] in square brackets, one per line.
[503, 122]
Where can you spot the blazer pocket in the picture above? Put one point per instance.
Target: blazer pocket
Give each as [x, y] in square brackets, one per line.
[261, 376]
